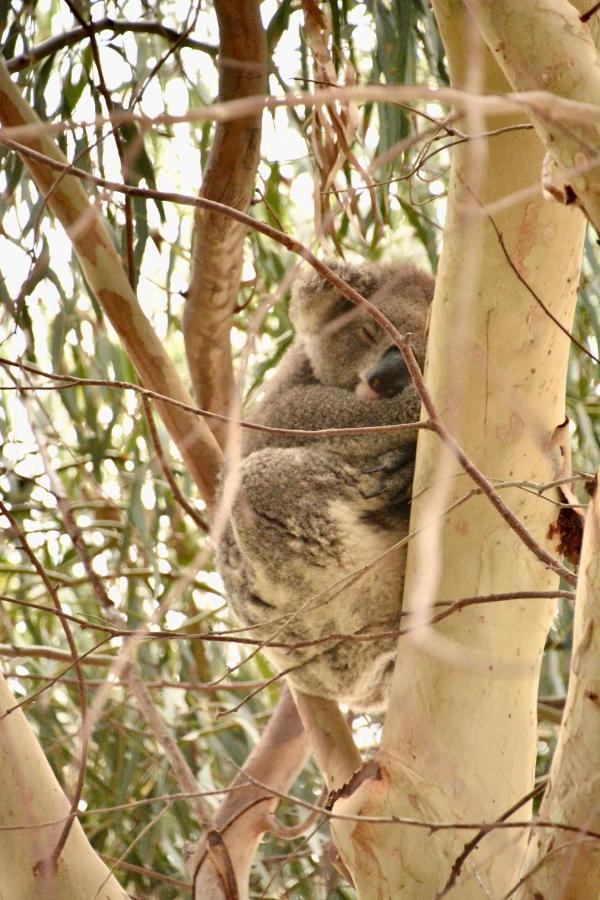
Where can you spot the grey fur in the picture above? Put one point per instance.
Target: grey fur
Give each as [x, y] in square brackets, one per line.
[312, 514]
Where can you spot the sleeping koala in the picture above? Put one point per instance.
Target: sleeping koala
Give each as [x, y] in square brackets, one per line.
[303, 555]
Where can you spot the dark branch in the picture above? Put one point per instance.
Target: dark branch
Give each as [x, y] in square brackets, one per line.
[117, 26]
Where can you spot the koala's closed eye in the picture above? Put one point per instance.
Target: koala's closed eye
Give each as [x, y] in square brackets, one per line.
[369, 334]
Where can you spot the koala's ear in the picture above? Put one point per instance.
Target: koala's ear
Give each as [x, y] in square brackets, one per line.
[315, 302]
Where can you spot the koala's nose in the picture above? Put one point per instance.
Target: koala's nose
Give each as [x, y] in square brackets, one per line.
[389, 375]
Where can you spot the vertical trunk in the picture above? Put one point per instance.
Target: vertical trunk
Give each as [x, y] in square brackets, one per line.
[544, 46]
[562, 863]
[460, 737]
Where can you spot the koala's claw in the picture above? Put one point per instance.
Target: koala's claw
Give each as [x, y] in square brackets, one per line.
[377, 493]
[393, 460]
[380, 467]
[395, 470]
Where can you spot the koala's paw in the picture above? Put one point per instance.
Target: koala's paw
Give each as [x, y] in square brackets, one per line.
[390, 475]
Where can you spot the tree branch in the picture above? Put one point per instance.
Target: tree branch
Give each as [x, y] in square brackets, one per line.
[104, 273]
[118, 26]
[229, 178]
[242, 817]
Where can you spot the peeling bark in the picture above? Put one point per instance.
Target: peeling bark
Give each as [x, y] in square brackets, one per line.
[564, 864]
[218, 241]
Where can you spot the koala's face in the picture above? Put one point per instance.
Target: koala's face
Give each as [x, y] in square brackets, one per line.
[345, 346]
[353, 352]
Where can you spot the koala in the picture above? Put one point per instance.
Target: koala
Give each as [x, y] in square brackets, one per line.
[309, 552]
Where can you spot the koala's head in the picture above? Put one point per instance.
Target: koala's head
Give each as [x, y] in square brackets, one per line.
[344, 345]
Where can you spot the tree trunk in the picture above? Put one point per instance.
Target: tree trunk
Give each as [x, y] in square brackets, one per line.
[219, 242]
[459, 742]
[563, 863]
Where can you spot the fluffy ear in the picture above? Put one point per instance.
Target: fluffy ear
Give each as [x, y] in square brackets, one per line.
[398, 290]
[315, 302]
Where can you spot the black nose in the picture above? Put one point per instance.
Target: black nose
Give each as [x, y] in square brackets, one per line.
[389, 375]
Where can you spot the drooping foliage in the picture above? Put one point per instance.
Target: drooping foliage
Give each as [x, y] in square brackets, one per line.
[364, 180]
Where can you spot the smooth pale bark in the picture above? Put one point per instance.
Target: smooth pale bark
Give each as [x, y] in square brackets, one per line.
[459, 742]
[330, 739]
[30, 797]
[570, 863]
[229, 178]
[243, 817]
[105, 274]
[543, 45]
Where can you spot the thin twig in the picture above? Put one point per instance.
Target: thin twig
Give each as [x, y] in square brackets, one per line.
[73, 381]
[429, 825]
[166, 469]
[588, 15]
[118, 26]
[52, 680]
[528, 287]
[182, 773]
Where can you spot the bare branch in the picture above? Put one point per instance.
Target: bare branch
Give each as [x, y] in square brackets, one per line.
[166, 469]
[72, 381]
[177, 761]
[229, 178]
[118, 26]
[106, 277]
[241, 819]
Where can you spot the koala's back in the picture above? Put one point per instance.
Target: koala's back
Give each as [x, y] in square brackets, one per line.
[313, 573]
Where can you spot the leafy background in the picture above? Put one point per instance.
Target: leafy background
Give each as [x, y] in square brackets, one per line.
[148, 551]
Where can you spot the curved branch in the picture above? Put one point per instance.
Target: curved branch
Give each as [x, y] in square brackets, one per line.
[118, 26]
[104, 273]
[229, 178]
[242, 818]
